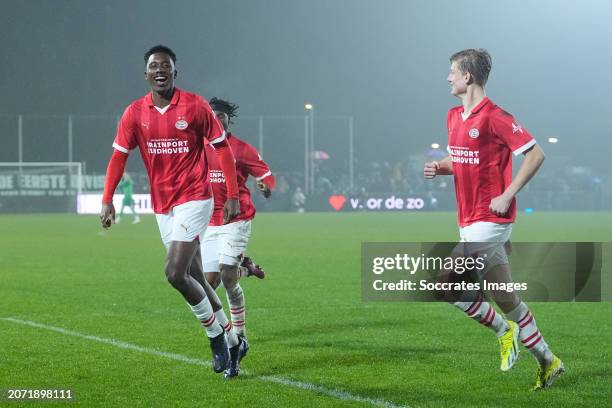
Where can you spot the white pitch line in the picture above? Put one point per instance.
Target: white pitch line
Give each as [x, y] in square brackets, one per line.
[117, 343]
[335, 393]
[343, 395]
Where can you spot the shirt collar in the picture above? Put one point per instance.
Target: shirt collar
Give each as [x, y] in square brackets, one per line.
[478, 107]
[175, 97]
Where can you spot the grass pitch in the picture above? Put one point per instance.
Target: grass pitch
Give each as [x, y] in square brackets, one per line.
[314, 342]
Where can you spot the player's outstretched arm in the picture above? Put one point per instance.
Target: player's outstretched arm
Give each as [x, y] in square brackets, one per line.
[259, 169]
[438, 168]
[114, 172]
[534, 158]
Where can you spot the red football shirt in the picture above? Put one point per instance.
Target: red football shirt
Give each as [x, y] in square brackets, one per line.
[248, 163]
[172, 146]
[480, 148]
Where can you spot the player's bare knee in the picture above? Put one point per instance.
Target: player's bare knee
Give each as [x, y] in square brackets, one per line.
[175, 277]
[229, 276]
[446, 276]
[507, 301]
[229, 282]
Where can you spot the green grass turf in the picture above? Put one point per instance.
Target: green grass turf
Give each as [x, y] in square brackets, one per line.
[306, 320]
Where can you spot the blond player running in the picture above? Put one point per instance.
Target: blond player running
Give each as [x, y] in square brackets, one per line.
[482, 138]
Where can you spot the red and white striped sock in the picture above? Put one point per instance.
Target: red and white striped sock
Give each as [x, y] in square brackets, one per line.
[232, 338]
[531, 337]
[484, 314]
[205, 315]
[235, 298]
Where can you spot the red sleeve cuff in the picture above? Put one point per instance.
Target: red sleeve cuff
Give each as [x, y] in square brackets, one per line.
[269, 181]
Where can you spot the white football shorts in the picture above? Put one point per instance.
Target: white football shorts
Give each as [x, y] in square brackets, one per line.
[185, 222]
[224, 244]
[483, 231]
[486, 239]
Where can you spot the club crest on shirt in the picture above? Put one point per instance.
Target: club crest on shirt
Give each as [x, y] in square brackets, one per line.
[181, 124]
[474, 133]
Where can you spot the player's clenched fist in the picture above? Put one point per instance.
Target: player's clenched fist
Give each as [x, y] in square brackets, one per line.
[431, 169]
[107, 215]
[231, 209]
[265, 190]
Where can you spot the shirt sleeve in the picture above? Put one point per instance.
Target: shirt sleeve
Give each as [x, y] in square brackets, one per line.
[448, 121]
[449, 118]
[125, 140]
[510, 133]
[227, 162]
[254, 164]
[212, 129]
[116, 167]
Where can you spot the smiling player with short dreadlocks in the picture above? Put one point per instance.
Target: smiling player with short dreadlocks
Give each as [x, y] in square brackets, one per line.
[223, 108]
[171, 128]
[224, 244]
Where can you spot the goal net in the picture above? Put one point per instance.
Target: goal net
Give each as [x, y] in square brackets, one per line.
[27, 187]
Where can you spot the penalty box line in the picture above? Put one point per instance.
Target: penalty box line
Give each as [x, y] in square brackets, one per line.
[334, 393]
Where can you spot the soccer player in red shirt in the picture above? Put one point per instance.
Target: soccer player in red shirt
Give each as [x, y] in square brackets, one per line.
[170, 127]
[224, 243]
[481, 140]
